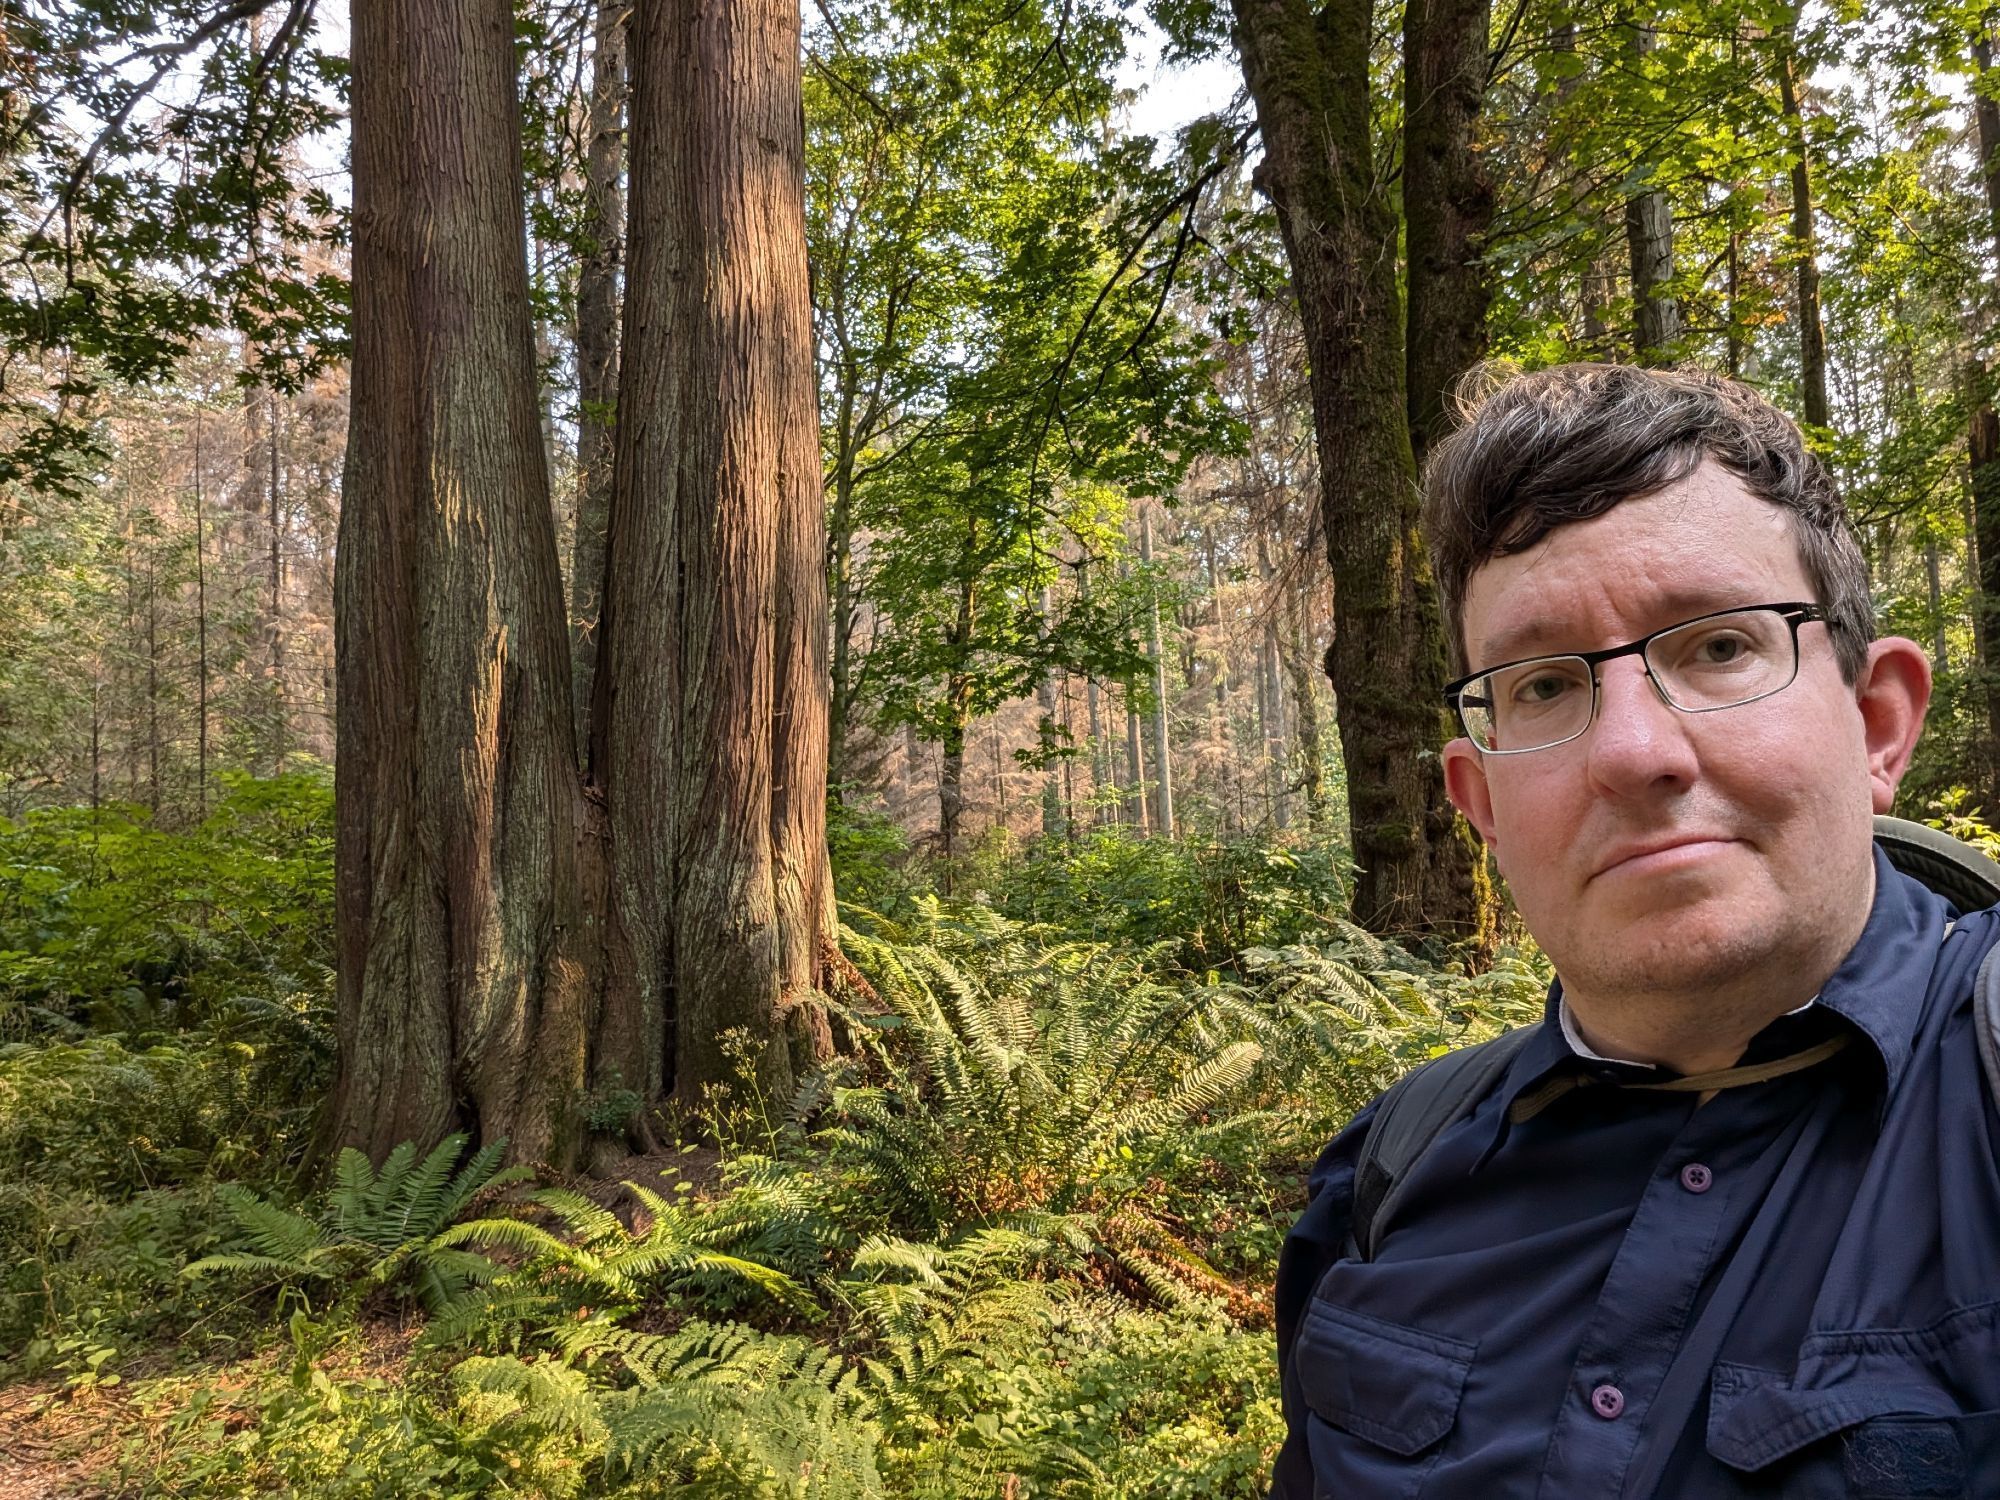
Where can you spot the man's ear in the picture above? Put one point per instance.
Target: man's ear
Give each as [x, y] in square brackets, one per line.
[1465, 782]
[1893, 691]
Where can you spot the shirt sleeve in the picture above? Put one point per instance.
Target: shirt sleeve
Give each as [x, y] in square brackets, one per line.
[1316, 1242]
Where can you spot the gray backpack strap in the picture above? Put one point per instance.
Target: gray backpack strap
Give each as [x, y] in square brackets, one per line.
[1971, 882]
[1955, 870]
[1986, 1019]
[1409, 1118]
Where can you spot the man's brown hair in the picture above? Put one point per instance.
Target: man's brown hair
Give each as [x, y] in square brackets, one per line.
[1541, 450]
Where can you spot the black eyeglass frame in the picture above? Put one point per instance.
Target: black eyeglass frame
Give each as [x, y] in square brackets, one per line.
[1793, 614]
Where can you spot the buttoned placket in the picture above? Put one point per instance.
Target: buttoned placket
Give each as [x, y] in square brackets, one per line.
[1648, 1297]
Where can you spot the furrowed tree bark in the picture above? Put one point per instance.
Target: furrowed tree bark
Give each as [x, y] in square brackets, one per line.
[1812, 332]
[455, 789]
[1448, 204]
[597, 349]
[1309, 77]
[1649, 236]
[715, 613]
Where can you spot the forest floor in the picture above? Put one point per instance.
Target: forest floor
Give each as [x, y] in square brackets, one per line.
[56, 1449]
[103, 1443]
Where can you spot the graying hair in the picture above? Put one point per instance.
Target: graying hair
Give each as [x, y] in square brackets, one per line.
[1542, 450]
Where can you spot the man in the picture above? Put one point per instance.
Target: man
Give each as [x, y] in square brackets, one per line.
[1727, 1223]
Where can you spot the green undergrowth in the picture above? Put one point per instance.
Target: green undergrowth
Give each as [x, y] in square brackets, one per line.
[1019, 1241]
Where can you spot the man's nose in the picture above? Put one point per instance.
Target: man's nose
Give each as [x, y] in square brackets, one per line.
[1640, 741]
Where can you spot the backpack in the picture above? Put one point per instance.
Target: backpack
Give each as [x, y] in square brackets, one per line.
[1422, 1105]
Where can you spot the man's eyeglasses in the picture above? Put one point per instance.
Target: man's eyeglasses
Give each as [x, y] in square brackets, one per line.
[1722, 660]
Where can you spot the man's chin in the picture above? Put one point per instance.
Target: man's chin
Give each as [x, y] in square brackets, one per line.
[1687, 935]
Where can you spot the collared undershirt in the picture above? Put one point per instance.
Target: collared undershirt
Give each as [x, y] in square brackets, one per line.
[1584, 1050]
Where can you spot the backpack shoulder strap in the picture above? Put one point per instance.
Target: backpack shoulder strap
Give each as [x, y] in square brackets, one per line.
[1971, 882]
[1952, 868]
[1409, 1118]
[1986, 1018]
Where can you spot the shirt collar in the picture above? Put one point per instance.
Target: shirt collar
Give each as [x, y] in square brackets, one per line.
[1573, 1035]
[1878, 988]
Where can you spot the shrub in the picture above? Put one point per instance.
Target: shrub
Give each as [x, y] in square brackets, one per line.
[109, 919]
[231, 1098]
[1210, 898]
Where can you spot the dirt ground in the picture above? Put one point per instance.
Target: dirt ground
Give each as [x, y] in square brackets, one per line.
[54, 1451]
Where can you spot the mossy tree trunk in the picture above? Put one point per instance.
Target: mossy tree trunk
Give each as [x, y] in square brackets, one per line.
[1448, 203]
[1308, 73]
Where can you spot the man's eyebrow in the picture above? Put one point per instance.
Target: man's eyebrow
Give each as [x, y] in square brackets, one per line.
[1543, 636]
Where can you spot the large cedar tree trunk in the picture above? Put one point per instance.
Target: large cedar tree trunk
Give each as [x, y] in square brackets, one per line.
[1309, 76]
[714, 717]
[456, 794]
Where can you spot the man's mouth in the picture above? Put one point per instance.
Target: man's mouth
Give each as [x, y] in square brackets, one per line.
[1660, 855]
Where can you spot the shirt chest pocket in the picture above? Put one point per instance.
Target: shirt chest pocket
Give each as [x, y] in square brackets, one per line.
[1890, 1434]
[1382, 1398]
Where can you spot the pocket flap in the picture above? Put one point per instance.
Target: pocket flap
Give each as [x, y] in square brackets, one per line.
[1756, 1417]
[1398, 1387]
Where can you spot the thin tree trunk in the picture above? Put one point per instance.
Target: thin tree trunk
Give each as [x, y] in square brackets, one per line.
[1163, 773]
[1219, 732]
[280, 699]
[96, 743]
[1067, 709]
[1101, 774]
[1305, 714]
[846, 596]
[1448, 203]
[1271, 680]
[455, 788]
[1137, 804]
[152, 686]
[597, 350]
[1649, 234]
[1812, 332]
[201, 629]
[1940, 649]
[958, 720]
[1308, 73]
[715, 619]
[1054, 825]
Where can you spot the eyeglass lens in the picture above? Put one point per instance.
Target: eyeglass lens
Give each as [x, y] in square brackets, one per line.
[1713, 663]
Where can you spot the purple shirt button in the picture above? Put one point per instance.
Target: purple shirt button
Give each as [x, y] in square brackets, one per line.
[1696, 1178]
[1607, 1401]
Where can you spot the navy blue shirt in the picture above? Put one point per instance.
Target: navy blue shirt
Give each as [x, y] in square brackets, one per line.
[1808, 1269]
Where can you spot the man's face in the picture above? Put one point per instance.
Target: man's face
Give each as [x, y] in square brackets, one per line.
[1663, 851]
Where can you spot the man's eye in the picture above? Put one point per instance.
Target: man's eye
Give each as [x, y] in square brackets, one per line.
[1542, 687]
[1720, 650]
